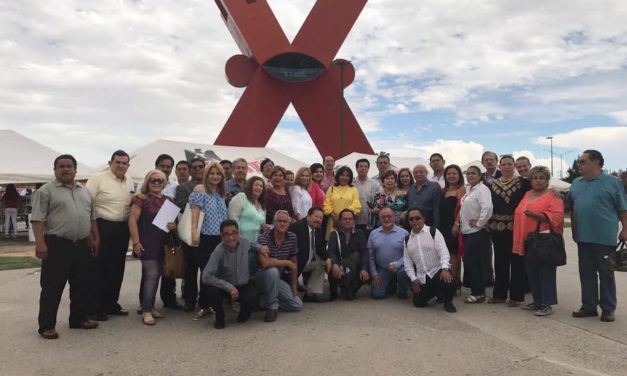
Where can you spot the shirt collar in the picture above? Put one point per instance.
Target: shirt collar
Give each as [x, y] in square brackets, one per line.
[59, 184]
[115, 177]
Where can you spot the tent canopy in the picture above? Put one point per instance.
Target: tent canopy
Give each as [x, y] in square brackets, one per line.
[27, 161]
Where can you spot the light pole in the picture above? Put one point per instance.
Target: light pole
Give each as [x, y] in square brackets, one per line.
[551, 138]
[342, 63]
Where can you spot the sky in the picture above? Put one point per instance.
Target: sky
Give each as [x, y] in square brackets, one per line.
[455, 77]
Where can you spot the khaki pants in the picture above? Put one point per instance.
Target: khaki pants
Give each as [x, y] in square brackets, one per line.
[316, 270]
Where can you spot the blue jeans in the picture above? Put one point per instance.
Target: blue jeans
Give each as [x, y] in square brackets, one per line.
[542, 281]
[275, 292]
[475, 245]
[386, 277]
[594, 268]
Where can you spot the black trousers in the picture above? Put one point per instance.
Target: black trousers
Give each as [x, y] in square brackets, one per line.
[488, 254]
[475, 245]
[108, 266]
[509, 268]
[66, 261]
[434, 287]
[351, 279]
[197, 258]
[214, 297]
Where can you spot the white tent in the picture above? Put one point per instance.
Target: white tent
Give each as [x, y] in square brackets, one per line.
[395, 162]
[143, 159]
[27, 161]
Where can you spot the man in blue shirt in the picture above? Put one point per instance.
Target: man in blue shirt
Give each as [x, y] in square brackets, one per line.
[598, 202]
[385, 246]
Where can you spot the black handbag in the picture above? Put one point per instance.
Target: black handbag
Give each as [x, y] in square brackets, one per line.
[545, 248]
[618, 260]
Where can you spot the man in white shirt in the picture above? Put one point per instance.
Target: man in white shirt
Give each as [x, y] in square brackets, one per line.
[437, 162]
[426, 261]
[367, 188]
[165, 164]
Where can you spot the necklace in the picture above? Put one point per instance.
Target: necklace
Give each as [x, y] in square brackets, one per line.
[506, 181]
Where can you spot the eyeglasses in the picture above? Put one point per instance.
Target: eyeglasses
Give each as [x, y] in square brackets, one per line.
[412, 219]
[156, 181]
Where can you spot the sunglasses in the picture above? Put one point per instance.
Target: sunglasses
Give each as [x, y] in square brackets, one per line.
[412, 219]
[156, 181]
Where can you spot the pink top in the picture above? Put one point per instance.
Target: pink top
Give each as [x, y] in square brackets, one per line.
[547, 204]
[317, 196]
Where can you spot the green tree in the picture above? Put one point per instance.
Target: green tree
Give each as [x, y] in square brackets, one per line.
[573, 172]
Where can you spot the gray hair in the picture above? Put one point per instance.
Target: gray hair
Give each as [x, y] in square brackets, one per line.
[540, 170]
[276, 214]
[239, 160]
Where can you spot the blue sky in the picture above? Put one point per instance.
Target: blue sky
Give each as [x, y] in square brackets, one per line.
[458, 77]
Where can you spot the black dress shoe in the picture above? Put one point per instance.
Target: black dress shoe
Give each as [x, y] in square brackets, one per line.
[87, 324]
[173, 305]
[219, 324]
[98, 317]
[583, 313]
[49, 334]
[607, 316]
[449, 307]
[270, 315]
[243, 316]
[314, 298]
[119, 312]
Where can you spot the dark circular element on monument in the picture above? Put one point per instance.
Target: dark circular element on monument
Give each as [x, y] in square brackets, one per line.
[293, 67]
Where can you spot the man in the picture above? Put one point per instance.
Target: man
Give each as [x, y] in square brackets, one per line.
[383, 165]
[111, 192]
[227, 275]
[425, 194]
[329, 173]
[266, 168]
[347, 247]
[426, 260]
[597, 200]
[385, 247]
[64, 225]
[367, 188]
[282, 254]
[489, 160]
[182, 172]
[167, 290]
[227, 166]
[313, 258]
[165, 164]
[437, 162]
[523, 165]
[190, 286]
[238, 182]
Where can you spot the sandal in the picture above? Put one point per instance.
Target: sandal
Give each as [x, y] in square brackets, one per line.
[471, 299]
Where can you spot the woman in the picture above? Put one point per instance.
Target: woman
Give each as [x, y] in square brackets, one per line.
[149, 240]
[207, 197]
[248, 209]
[405, 180]
[342, 195]
[289, 179]
[538, 205]
[277, 196]
[507, 191]
[475, 211]
[390, 196]
[11, 200]
[449, 213]
[301, 198]
[316, 193]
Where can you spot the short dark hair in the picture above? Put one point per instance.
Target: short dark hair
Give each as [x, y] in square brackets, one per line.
[389, 173]
[119, 153]
[163, 157]
[383, 155]
[65, 156]
[226, 161]
[507, 156]
[314, 167]
[595, 155]
[265, 162]
[346, 210]
[523, 158]
[228, 223]
[362, 160]
[475, 168]
[186, 163]
[314, 209]
[489, 152]
[415, 208]
[196, 159]
[342, 170]
[436, 155]
[248, 190]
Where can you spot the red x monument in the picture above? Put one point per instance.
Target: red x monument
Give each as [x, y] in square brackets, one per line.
[277, 73]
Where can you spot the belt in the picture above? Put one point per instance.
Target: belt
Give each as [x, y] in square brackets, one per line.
[66, 240]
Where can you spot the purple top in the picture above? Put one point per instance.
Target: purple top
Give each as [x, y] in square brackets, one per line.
[275, 202]
[152, 238]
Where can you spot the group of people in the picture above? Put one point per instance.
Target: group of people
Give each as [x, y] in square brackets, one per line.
[254, 239]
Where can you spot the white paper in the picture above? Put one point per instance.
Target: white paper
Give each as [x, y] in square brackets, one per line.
[168, 213]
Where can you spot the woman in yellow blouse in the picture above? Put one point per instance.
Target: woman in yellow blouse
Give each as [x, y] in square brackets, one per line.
[342, 195]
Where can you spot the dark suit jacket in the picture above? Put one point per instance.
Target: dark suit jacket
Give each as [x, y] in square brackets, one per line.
[301, 229]
[497, 175]
[183, 191]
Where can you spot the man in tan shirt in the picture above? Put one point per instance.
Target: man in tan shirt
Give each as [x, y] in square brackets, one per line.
[111, 192]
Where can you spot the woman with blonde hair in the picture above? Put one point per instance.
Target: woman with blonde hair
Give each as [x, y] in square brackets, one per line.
[149, 240]
[301, 198]
[207, 197]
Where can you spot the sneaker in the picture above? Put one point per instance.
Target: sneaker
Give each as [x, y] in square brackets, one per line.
[157, 315]
[202, 313]
[449, 307]
[148, 318]
[530, 307]
[544, 310]
[270, 315]
[472, 299]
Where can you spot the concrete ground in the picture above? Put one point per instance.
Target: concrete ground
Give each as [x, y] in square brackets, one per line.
[343, 338]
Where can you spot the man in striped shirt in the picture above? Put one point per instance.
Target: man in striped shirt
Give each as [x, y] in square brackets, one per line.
[281, 255]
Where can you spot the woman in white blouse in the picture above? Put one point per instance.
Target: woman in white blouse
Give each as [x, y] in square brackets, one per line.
[299, 192]
[476, 209]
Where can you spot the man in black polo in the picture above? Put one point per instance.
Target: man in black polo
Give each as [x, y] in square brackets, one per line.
[64, 225]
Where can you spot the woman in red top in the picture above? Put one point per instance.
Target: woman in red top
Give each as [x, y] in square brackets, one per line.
[11, 200]
[538, 205]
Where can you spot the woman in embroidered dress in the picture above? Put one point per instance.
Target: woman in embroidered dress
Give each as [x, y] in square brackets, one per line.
[507, 191]
[149, 240]
[247, 208]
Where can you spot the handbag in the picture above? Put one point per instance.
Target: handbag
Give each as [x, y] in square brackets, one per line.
[184, 227]
[174, 261]
[618, 260]
[545, 248]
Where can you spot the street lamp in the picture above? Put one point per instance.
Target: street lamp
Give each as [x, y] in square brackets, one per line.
[551, 138]
[341, 63]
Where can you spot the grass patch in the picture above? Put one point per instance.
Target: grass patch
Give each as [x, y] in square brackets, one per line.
[19, 262]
